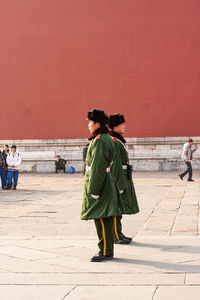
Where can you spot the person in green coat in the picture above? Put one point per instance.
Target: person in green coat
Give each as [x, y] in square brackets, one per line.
[122, 172]
[101, 197]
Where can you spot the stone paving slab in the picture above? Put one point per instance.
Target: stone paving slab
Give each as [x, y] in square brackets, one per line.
[108, 293]
[25, 253]
[45, 248]
[34, 292]
[193, 279]
[177, 293]
[91, 279]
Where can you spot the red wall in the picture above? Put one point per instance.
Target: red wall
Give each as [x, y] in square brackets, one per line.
[60, 58]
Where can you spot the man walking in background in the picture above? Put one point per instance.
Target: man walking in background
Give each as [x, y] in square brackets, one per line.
[13, 161]
[187, 156]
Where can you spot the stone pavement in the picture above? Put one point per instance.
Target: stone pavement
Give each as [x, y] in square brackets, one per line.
[45, 248]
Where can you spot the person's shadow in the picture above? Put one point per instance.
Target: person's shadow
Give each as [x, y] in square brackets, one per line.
[161, 265]
[169, 248]
[178, 267]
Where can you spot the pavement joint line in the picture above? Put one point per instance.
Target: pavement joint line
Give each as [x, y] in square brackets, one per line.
[91, 285]
[11, 256]
[154, 293]
[101, 273]
[171, 229]
[40, 250]
[26, 259]
[185, 278]
[151, 213]
[69, 292]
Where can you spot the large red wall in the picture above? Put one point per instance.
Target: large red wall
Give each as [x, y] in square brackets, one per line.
[60, 58]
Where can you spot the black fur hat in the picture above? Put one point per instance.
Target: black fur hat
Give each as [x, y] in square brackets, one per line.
[98, 116]
[115, 120]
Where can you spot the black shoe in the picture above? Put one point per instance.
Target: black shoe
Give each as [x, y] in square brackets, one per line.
[122, 241]
[128, 238]
[180, 176]
[100, 258]
[190, 180]
[14, 187]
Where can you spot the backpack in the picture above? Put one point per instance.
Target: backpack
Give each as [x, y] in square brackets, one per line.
[71, 170]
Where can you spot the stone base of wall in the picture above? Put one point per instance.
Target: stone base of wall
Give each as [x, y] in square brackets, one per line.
[146, 154]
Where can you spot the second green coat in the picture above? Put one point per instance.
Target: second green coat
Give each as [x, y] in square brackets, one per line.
[130, 204]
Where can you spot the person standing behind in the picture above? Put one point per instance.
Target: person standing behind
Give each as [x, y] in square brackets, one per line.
[2, 172]
[101, 196]
[187, 156]
[85, 149]
[5, 154]
[122, 172]
[13, 161]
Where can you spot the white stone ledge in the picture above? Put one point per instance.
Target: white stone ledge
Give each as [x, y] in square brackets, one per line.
[38, 154]
[83, 141]
[155, 153]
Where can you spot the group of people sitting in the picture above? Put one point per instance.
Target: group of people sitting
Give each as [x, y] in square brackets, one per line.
[10, 160]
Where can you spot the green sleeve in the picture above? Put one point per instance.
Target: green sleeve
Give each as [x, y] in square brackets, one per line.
[99, 165]
[117, 169]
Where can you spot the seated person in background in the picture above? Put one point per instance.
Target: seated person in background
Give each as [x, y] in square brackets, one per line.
[60, 164]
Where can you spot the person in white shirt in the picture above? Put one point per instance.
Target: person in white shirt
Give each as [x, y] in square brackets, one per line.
[14, 161]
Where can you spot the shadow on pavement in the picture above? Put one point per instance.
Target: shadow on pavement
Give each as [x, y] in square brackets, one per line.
[169, 248]
[161, 265]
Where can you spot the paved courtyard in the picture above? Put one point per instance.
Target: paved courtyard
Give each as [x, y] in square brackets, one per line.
[45, 248]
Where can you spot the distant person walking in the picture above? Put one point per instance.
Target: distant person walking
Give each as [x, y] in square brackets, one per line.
[13, 161]
[85, 149]
[187, 156]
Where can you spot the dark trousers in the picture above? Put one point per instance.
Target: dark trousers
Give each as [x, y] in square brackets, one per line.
[13, 178]
[60, 168]
[104, 228]
[3, 175]
[84, 168]
[188, 170]
[118, 228]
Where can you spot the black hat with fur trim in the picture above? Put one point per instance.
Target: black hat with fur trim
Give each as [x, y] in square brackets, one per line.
[115, 120]
[98, 116]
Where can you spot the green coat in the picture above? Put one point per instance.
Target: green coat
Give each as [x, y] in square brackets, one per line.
[130, 204]
[100, 156]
